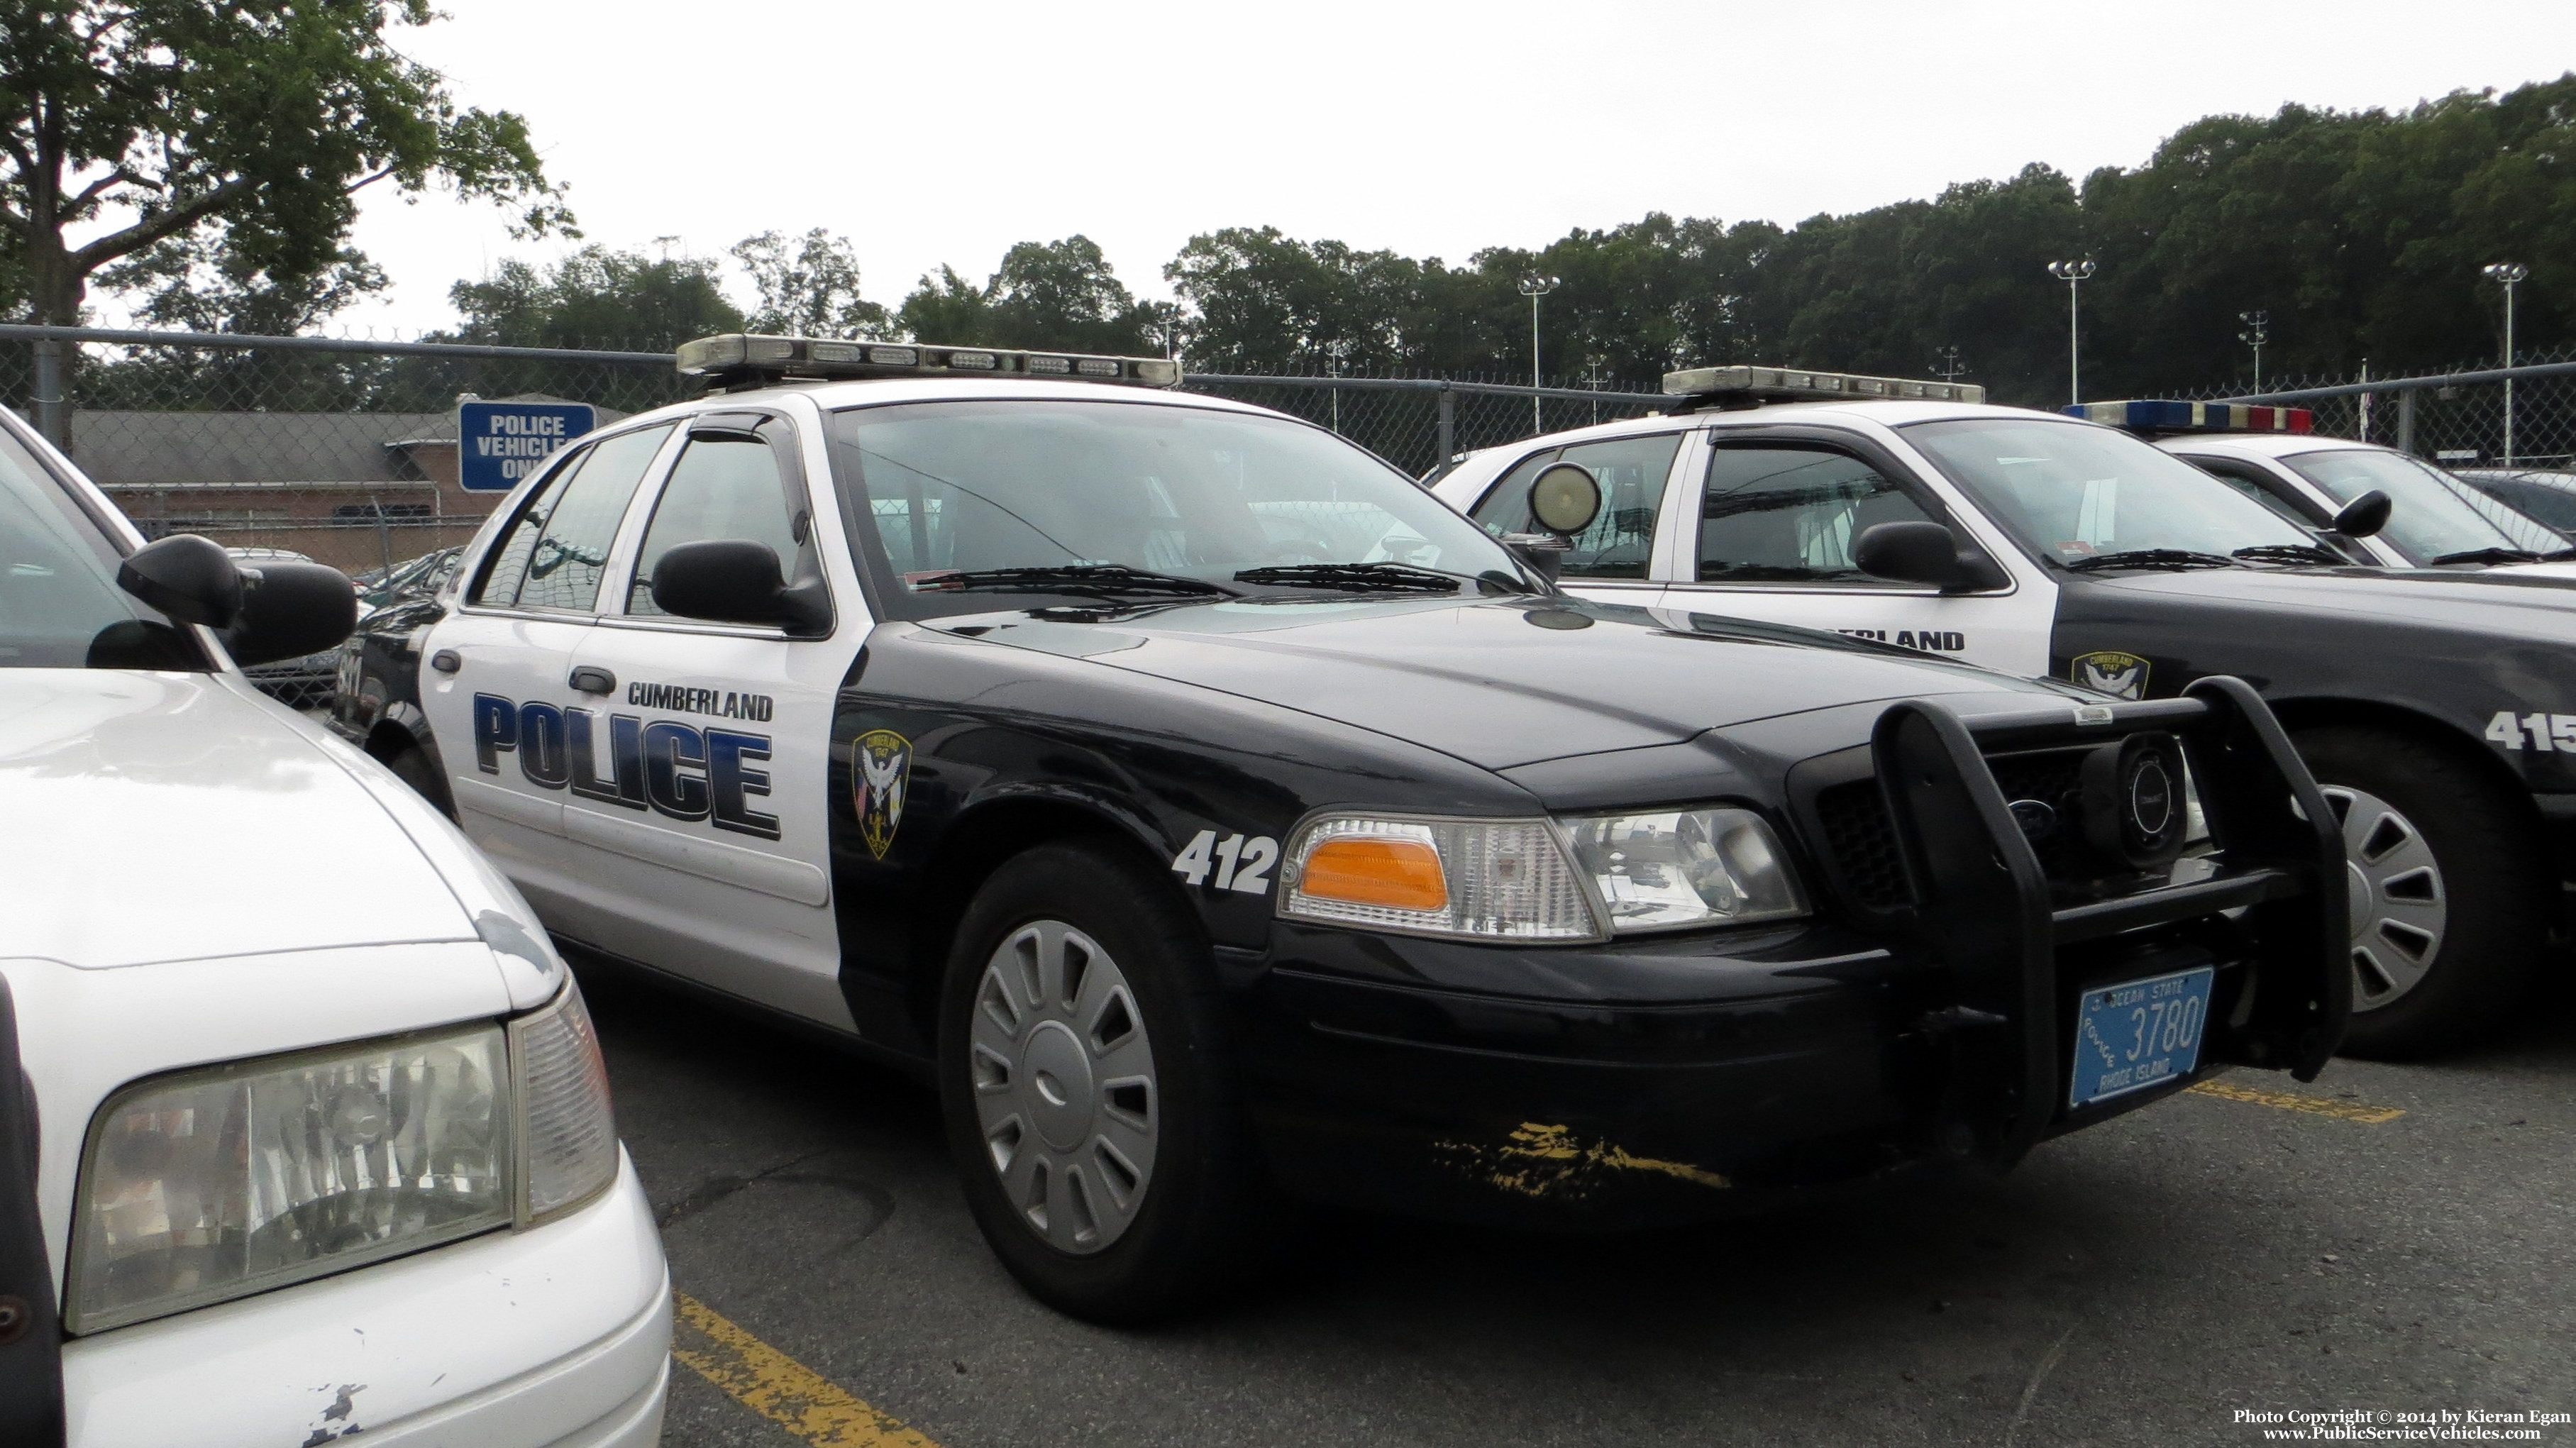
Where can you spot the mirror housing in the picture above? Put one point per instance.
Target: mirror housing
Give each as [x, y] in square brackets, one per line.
[2364, 515]
[735, 580]
[1924, 552]
[1541, 553]
[289, 610]
[1564, 498]
[186, 576]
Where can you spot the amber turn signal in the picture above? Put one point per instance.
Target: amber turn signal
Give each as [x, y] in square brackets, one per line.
[1398, 874]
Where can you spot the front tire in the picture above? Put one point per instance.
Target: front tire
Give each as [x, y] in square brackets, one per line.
[1089, 1107]
[2449, 886]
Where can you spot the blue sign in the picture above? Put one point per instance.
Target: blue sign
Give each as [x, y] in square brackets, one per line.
[498, 444]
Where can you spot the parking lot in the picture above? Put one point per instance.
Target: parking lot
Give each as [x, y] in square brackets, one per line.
[2390, 1238]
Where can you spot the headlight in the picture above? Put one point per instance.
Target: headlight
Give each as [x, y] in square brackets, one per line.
[221, 1182]
[1490, 879]
[1674, 869]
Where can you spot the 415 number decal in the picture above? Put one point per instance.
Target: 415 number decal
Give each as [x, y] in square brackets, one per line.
[1232, 863]
[2538, 732]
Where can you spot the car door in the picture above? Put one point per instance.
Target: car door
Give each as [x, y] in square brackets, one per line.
[496, 665]
[1613, 559]
[1776, 512]
[697, 752]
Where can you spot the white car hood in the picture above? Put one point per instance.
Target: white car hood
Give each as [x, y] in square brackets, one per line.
[166, 816]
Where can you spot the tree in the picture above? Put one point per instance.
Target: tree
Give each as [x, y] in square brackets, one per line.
[599, 298]
[126, 123]
[811, 290]
[1048, 295]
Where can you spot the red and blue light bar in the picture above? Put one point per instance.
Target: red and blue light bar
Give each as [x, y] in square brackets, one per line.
[2165, 416]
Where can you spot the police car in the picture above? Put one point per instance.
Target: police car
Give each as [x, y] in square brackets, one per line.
[1225, 823]
[304, 1135]
[2433, 704]
[2435, 520]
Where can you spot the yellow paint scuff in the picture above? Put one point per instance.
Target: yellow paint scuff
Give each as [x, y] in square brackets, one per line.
[1540, 1160]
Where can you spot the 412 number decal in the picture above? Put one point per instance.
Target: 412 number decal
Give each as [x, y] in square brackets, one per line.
[1235, 862]
[2538, 732]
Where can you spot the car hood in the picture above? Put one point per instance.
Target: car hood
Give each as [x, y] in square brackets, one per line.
[1499, 682]
[165, 816]
[2523, 601]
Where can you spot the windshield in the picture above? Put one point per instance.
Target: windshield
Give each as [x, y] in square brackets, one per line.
[2071, 492]
[60, 607]
[2431, 518]
[1098, 498]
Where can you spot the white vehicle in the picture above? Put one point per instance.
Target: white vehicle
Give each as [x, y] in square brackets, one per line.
[326, 1148]
[2436, 520]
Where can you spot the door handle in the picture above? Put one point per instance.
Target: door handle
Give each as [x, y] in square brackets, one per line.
[446, 661]
[590, 680]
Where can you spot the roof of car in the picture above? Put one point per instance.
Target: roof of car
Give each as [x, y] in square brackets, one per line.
[2263, 444]
[873, 391]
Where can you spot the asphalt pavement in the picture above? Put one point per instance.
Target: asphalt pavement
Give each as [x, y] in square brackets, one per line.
[2396, 1239]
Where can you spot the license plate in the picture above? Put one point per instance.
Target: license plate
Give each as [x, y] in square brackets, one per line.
[2129, 1037]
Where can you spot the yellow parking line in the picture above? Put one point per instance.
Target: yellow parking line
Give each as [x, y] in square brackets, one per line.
[777, 1386]
[2315, 1105]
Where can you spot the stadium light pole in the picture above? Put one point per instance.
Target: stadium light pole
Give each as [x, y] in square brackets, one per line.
[1535, 287]
[2258, 330]
[2508, 275]
[2073, 274]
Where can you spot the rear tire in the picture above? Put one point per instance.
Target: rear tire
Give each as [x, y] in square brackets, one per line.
[1089, 1106]
[2450, 886]
[411, 765]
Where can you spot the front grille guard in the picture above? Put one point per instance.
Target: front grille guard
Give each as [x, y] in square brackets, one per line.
[1982, 906]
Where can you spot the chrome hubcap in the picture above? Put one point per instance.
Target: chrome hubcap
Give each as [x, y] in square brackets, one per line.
[2399, 909]
[1065, 1091]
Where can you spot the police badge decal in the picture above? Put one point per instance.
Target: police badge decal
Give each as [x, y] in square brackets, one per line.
[880, 771]
[2108, 671]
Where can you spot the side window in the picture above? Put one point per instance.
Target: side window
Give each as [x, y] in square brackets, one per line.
[723, 486]
[1631, 471]
[555, 549]
[1788, 513]
[2251, 486]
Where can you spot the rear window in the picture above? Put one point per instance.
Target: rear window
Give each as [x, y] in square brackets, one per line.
[60, 607]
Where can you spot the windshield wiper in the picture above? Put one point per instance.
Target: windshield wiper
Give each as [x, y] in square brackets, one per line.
[2487, 555]
[2152, 558]
[1352, 577]
[2291, 553]
[1101, 580]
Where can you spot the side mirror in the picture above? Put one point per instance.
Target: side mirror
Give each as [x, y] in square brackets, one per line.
[289, 610]
[190, 578]
[1922, 552]
[2364, 515]
[1564, 499]
[1542, 553]
[735, 580]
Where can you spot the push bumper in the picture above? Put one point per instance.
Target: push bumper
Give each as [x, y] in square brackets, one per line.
[1649, 1081]
[556, 1337]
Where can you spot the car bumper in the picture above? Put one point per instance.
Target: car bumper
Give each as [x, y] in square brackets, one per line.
[555, 1337]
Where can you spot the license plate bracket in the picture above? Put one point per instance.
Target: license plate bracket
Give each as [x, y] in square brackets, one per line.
[2139, 1033]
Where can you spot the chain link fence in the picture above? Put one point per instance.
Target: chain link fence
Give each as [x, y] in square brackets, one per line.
[344, 450]
[2480, 417]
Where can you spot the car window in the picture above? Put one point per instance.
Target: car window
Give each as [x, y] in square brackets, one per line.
[722, 487]
[1789, 513]
[2238, 476]
[60, 607]
[2070, 491]
[940, 488]
[2552, 504]
[555, 550]
[2433, 516]
[1631, 472]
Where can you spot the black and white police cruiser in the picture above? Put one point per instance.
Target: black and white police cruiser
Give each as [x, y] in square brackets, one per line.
[304, 1133]
[1223, 822]
[2428, 701]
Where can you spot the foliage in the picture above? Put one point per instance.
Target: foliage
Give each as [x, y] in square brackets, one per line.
[599, 298]
[1057, 295]
[811, 290]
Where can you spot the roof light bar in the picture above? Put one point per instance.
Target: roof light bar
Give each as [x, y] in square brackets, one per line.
[1796, 384]
[738, 359]
[2154, 415]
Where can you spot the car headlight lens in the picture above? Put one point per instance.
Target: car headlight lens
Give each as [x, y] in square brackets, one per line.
[1673, 869]
[230, 1180]
[1486, 879]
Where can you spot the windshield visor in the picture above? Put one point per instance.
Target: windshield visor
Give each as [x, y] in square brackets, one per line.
[1188, 493]
[60, 607]
[2069, 491]
[2431, 517]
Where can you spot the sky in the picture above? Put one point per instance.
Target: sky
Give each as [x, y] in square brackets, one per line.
[933, 134]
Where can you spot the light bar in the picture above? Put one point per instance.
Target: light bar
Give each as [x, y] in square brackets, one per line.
[2167, 416]
[736, 357]
[1792, 384]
